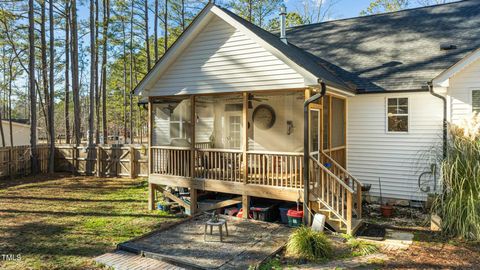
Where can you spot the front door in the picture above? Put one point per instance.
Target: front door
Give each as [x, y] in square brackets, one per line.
[234, 137]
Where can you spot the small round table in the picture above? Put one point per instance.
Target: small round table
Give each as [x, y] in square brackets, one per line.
[218, 224]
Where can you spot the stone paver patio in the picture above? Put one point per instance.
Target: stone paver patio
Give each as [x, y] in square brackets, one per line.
[248, 243]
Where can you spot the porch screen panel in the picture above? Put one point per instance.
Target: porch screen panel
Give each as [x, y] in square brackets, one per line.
[219, 122]
[276, 122]
[172, 123]
[338, 122]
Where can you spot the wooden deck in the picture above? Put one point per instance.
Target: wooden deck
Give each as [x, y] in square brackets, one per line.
[273, 175]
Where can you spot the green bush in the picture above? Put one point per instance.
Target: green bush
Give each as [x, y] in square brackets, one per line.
[306, 243]
[360, 247]
[459, 203]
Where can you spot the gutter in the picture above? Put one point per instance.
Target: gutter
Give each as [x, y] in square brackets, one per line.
[306, 150]
[430, 89]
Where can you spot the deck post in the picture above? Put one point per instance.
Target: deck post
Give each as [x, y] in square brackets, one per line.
[349, 213]
[151, 190]
[359, 200]
[151, 196]
[245, 197]
[245, 206]
[193, 191]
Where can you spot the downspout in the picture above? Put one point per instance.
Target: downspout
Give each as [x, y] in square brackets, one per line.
[430, 89]
[306, 151]
[444, 126]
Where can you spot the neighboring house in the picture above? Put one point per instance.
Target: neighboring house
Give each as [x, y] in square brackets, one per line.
[226, 105]
[20, 132]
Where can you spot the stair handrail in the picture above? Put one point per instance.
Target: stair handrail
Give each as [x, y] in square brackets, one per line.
[342, 168]
[340, 181]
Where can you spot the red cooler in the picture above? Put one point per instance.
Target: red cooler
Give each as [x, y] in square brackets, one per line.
[294, 217]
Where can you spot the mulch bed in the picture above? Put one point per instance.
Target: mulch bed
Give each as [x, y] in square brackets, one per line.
[430, 251]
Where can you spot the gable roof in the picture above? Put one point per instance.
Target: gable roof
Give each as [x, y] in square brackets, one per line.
[292, 55]
[443, 80]
[393, 51]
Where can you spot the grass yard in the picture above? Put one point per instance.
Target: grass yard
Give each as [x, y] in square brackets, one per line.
[61, 222]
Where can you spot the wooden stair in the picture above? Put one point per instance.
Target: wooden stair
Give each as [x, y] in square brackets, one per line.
[336, 194]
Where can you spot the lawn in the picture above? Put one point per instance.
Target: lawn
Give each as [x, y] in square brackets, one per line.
[61, 222]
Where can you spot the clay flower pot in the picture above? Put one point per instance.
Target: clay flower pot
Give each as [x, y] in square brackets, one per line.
[387, 210]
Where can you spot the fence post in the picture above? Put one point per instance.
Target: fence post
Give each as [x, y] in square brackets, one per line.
[99, 161]
[10, 173]
[74, 158]
[132, 162]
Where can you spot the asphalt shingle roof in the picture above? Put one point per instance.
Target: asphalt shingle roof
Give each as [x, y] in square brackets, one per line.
[392, 51]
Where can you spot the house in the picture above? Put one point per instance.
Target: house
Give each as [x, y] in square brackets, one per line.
[226, 106]
[20, 132]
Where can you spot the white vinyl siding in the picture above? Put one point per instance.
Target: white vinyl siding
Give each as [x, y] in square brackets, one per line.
[460, 92]
[397, 158]
[224, 59]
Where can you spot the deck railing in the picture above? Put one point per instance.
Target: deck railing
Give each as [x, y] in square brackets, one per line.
[280, 169]
[346, 177]
[170, 160]
[218, 164]
[331, 191]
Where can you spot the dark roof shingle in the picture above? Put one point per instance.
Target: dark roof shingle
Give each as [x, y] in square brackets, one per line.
[393, 51]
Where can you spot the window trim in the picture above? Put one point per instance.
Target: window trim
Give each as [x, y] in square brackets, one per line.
[181, 126]
[408, 115]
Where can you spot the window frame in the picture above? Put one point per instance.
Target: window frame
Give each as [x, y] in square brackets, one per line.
[407, 114]
[181, 126]
[471, 99]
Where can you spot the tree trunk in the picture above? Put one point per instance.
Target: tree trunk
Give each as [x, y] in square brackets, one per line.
[131, 67]
[10, 81]
[165, 29]
[183, 14]
[155, 31]
[75, 78]
[2, 110]
[106, 10]
[147, 37]
[51, 108]
[91, 113]
[97, 94]
[124, 82]
[43, 40]
[31, 87]
[67, 73]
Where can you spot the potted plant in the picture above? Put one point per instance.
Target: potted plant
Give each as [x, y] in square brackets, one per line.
[385, 209]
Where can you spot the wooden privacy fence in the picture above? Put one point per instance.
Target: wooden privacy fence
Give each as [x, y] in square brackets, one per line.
[15, 161]
[101, 160]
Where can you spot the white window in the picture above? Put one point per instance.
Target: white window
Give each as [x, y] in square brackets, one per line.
[397, 114]
[476, 101]
[178, 124]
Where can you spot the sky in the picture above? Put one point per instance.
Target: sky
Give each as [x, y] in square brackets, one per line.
[341, 9]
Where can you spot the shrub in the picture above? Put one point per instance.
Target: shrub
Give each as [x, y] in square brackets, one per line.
[305, 243]
[360, 247]
[459, 203]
